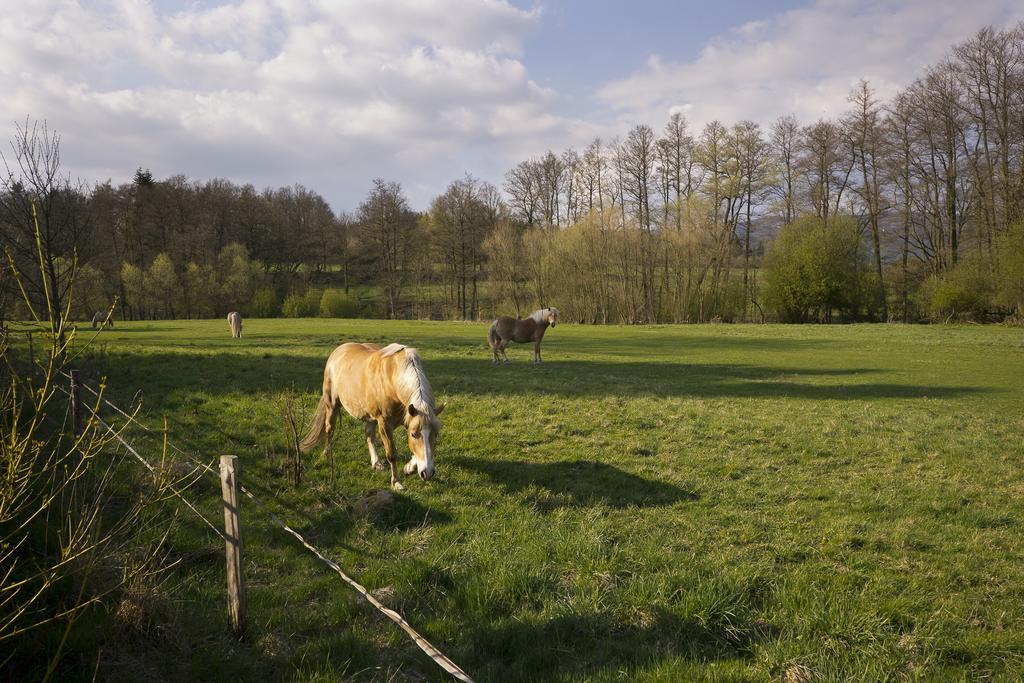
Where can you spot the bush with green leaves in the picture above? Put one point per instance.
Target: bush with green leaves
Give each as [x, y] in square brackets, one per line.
[1010, 286]
[964, 292]
[264, 303]
[334, 303]
[814, 269]
[301, 305]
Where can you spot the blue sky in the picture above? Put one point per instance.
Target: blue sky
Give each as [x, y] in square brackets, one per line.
[578, 45]
[333, 93]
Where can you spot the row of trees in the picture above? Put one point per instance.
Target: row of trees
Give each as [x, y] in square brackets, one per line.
[933, 177]
[655, 226]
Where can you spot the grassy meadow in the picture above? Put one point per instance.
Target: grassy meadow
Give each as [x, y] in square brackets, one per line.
[657, 503]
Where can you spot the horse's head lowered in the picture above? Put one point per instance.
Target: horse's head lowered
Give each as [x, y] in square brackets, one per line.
[423, 428]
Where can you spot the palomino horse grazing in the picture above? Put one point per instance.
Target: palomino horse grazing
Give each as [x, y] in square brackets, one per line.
[530, 329]
[384, 388]
[235, 323]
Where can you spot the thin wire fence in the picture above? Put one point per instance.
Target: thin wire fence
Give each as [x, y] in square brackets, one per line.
[436, 655]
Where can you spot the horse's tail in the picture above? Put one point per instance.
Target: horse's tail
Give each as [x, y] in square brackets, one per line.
[492, 336]
[318, 425]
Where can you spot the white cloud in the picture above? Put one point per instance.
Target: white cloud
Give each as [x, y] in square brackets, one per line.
[328, 93]
[803, 61]
[332, 93]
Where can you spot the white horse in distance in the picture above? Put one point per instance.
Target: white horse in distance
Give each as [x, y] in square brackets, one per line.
[235, 323]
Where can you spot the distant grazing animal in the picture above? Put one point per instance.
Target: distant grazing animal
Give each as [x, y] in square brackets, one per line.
[385, 388]
[235, 323]
[100, 320]
[529, 329]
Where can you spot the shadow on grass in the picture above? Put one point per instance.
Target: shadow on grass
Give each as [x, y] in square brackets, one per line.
[576, 483]
[172, 377]
[332, 525]
[563, 648]
[669, 379]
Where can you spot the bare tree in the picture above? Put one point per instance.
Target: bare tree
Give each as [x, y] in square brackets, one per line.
[551, 171]
[593, 169]
[638, 161]
[387, 224]
[523, 185]
[827, 162]
[680, 165]
[785, 138]
[900, 126]
[752, 154]
[990, 71]
[571, 164]
[42, 216]
[461, 218]
[865, 127]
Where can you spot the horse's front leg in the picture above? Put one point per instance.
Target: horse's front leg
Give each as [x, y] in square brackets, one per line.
[389, 452]
[369, 428]
[536, 352]
[504, 352]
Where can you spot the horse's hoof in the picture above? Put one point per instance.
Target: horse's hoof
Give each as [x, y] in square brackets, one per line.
[377, 465]
[397, 486]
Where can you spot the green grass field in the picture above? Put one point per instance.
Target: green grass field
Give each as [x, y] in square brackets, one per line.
[653, 503]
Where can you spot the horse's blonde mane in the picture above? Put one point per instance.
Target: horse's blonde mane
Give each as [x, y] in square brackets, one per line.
[392, 349]
[541, 314]
[412, 380]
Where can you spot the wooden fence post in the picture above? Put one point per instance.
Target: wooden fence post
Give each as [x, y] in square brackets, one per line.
[76, 402]
[233, 542]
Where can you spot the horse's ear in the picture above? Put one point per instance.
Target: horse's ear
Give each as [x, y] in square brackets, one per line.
[412, 410]
[440, 408]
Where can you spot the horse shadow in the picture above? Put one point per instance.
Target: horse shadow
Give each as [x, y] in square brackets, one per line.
[227, 373]
[562, 648]
[600, 378]
[576, 483]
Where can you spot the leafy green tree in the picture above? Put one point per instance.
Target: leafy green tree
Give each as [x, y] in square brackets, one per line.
[163, 286]
[134, 289]
[1010, 287]
[264, 303]
[200, 285]
[814, 269]
[238, 277]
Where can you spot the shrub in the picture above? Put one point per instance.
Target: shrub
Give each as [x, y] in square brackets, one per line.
[1010, 286]
[264, 303]
[75, 534]
[964, 292]
[336, 304]
[304, 305]
[812, 269]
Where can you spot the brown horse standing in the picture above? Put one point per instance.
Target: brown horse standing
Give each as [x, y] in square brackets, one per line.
[529, 329]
